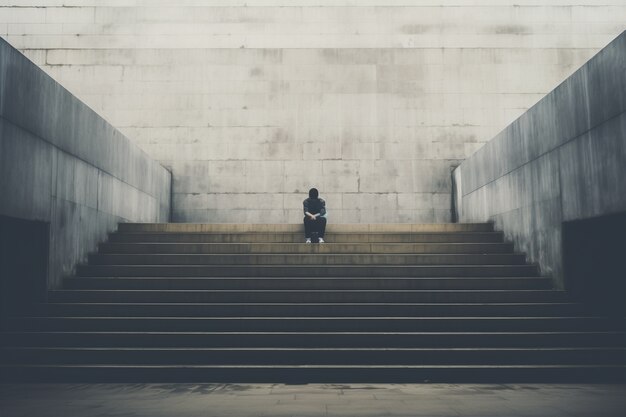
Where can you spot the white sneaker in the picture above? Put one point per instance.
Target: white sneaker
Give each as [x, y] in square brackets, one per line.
[321, 240]
[308, 240]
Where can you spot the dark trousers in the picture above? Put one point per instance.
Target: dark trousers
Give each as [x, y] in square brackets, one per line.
[311, 226]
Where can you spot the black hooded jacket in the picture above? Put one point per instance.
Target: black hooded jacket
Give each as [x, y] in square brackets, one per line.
[314, 206]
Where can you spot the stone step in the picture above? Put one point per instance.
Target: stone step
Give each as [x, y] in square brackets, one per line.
[307, 270]
[298, 237]
[314, 374]
[311, 324]
[309, 309]
[338, 283]
[308, 259]
[377, 303]
[286, 228]
[307, 296]
[299, 248]
[312, 356]
[455, 339]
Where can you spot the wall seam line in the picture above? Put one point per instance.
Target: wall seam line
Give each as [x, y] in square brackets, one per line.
[81, 159]
[548, 152]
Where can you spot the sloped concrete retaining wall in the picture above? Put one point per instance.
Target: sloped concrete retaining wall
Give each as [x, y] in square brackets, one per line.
[63, 164]
[563, 160]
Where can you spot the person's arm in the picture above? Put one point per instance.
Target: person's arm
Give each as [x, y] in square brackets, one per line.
[306, 210]
[322, 210]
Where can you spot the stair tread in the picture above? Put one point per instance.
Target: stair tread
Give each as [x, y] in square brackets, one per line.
[314, 366]
[302, 244]
[591, 332]
[316, 318]
[315, 254]
[298, 227]
[314, 304]
[287, 349]
[298, 289]
[300, 234]
[308, 290]
[377, 265]
[298, 278]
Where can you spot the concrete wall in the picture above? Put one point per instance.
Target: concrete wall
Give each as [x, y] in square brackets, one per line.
[563, 160]
[63, 164]
[372, 101]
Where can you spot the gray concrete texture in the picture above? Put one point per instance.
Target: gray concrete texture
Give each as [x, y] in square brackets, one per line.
[563, 160]
[243, 400]
[63, 164]
[374, 104]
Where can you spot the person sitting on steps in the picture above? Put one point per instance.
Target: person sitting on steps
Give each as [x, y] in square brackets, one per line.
[314, 216]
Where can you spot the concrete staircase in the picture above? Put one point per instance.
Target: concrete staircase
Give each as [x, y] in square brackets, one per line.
[252, 303]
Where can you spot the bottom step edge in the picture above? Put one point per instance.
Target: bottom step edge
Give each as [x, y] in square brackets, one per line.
[314, 374]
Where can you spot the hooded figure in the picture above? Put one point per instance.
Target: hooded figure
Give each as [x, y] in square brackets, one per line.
[314, 217]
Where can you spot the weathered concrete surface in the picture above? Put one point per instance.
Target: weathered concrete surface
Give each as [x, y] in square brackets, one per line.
[243, 400]
[62, 163]
[563, 160]
[371, 101]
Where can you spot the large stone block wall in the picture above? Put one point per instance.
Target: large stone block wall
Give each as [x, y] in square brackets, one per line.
[563, 160]
[62, 164]
[250, 103]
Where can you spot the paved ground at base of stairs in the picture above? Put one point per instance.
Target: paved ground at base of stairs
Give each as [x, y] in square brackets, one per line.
[205, 400]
